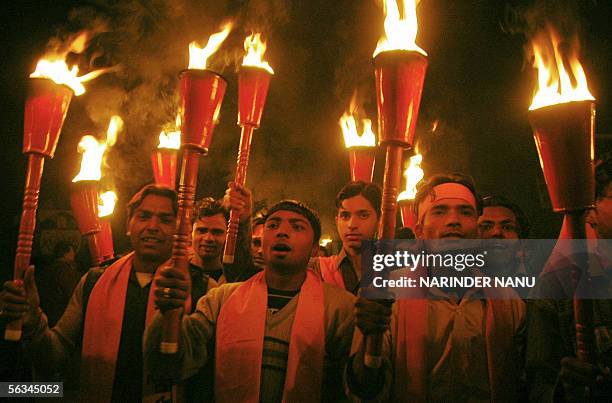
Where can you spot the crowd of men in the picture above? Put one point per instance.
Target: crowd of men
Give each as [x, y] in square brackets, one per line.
[283, 323]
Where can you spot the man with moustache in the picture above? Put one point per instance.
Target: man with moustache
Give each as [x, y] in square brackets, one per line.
[281, 335]
[504, 221]
[357, 218]
[107, 312]
[441, 344]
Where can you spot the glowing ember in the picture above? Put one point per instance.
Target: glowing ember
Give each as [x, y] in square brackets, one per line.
[53, 66]
[255, 48]
[413, 174]
[93, 151]
[351, 136]
[557, 84]
[325, 241]
[198, 56]
[400, 31]
[108, 200]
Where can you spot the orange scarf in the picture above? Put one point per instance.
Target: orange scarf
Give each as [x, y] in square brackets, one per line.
[411, 352]
[330, 272]
[240, 336]
[102, 330]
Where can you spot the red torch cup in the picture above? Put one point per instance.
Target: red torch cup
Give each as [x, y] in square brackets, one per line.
[84, 203]
[45, 110]
[201, 93]
[362, 161]
[253, 84]
[407, 212]
[399, 85]
[164, 166]
[101, 243]
[564, 136]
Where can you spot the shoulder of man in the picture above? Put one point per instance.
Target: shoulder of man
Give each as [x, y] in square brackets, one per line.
[91, 278]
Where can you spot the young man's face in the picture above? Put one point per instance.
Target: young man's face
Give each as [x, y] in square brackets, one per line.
[288, 241]
[498, 222]
[449, 218]
[356, 222]
[152, 227]
[256, 246]
[208, 236]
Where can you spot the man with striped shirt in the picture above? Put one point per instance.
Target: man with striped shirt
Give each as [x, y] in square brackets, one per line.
[283, 335]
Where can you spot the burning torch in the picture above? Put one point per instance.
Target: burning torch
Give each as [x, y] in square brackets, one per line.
[84, 197]
[400, 67]
[201, 94]
[50, 91]
[104, 238]
[562, 116]
[164, 157]
[362, 151]
[253, 82]
[413, 174]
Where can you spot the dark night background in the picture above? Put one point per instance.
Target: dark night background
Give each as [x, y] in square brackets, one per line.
[477, 91]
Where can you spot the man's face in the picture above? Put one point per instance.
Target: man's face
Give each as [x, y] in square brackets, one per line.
[152, 227]
[601, 217]
[450, 218]
[499, 224]
[256, 246]
[356, 221]
[208, 237]
[288, 241]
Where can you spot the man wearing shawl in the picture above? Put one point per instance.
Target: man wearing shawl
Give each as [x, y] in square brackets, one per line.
[442, 344]
[106, 319]
[283, 335]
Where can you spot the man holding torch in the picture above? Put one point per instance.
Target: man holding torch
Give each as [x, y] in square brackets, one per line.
[108, 310]
[281, 335]
[442, 343]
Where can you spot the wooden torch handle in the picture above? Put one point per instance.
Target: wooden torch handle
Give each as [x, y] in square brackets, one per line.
[180, 246]
[27, 225]
[386, 231]
[242, 164]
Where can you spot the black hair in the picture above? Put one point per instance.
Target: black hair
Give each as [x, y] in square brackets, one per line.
[426, 188]
[152, 189]
[521, 217]
[301, 209]
[208, 207]
[370, 191]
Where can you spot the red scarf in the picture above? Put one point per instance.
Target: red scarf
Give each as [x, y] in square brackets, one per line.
[102, 330]
[330, 271]
[240, 337]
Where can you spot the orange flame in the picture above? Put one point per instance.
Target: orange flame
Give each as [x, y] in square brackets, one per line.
[413, 174]
[400, 31]
[108, 200]
[93, 151]
[351, 136]
[561, 77]
[198, 57]
[53, 66]
[325, 240]
[171, 139]
[255, 48]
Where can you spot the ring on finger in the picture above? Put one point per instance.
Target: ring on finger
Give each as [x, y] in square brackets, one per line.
[166, 292]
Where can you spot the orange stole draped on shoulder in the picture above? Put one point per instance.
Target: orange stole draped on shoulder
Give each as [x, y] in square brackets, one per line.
[102, 330]
[410, 356]
[240, 336]
[330, 272]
